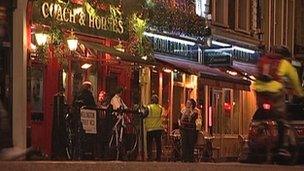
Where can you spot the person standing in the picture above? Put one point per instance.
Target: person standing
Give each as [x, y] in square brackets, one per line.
[86, 98]
[154, 128]
[85, 94]
[187, 125]
[117, 101]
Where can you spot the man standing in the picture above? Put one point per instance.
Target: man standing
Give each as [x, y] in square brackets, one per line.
[154, 127]
[86, 95]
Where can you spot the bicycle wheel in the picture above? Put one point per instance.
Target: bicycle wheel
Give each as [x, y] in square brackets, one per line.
[69, 144]
[114, 145]
[130, 142]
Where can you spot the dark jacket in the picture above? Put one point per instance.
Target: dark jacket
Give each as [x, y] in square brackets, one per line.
[87, 98]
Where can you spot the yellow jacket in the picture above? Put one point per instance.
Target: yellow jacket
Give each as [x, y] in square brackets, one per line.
[154, 120]
[285, 69]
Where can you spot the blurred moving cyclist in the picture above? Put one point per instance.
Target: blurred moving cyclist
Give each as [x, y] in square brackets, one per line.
[272, 72]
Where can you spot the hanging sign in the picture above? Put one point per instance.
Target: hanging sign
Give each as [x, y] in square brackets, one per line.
[88, 120]
[217, 59]
[82, 18]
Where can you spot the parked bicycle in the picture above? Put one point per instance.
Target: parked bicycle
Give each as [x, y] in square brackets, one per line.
[75, 133]
[125, 135]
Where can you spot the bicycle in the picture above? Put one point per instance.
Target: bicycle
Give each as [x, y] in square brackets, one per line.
[75, 132]
[124, 138]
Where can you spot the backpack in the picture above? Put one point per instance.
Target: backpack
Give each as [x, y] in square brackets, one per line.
[268, 66]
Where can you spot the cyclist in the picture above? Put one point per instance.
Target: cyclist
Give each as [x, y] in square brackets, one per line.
[154, 127]
[272, 70]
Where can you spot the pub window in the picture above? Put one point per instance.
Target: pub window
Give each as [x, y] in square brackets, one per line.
[154, 82]
[236, 112]
[226, 117]
[178, 77]
[36, 76]
[243, 15]
[279, 19]
[216, 101]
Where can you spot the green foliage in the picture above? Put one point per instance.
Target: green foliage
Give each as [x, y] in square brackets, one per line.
[173, 20]
[139, 45]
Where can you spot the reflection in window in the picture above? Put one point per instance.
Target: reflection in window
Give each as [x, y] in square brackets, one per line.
[227, 112]
[236, 112]
[36, 76]
[154, 82]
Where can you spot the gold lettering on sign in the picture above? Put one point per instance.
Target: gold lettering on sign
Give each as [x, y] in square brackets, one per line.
[81, 17]
[66, 14]
[59, 13]
[52, 9]
[110, 23]
[120, 27]
[98, 22]
[72, 17]
[115, 25]
[103, 23]
[45, 10]
[91, 21]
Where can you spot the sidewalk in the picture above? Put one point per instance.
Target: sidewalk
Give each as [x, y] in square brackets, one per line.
[137, 166]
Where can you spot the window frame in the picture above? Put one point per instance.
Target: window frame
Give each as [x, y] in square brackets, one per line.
[248, 18]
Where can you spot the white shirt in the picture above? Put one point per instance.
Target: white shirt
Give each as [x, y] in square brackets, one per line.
[117, 102]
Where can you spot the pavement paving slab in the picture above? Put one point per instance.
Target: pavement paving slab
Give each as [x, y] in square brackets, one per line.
[136, 166]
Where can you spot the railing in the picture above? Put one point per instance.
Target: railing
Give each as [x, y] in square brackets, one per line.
[90, 129]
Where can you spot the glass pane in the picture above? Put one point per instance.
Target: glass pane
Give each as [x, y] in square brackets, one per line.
[236, 111]
[178, 77]
[37, 90]
[219, 10]
[242, 14]
[227, 112]
[154, 82]
[216, 103]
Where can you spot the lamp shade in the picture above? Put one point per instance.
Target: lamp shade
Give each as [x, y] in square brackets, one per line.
[41, 38]
[86, 66]
[72, 43]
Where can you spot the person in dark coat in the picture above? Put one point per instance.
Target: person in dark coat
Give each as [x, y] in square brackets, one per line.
[85, 95]
[86, 98]
[187, 125]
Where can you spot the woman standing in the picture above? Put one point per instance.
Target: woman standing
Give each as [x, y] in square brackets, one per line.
[188, 130]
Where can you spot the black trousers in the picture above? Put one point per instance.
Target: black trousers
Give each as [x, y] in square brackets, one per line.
[188, 140]
[156, 136]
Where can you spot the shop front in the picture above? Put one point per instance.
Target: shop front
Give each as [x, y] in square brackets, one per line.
[221, 89]
[231, 103]
[69, 43]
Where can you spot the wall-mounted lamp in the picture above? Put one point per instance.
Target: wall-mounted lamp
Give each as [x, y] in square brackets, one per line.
[120, 47]
[72, 42]
[86, 66]
[41, 38]
[167, 70]
[144, 57]
[33, 47]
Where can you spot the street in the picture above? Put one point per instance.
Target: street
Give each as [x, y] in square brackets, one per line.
[137, 166]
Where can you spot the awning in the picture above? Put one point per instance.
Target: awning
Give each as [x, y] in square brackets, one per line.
[210, 76]
[115, 53]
